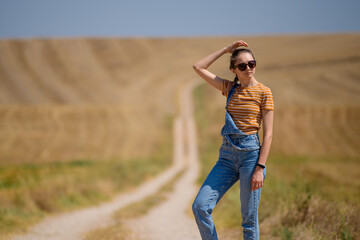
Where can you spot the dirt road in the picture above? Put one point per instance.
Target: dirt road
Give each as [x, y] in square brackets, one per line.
[168, 221]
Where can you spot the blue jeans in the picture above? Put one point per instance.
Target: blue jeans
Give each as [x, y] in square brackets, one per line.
[233, 164]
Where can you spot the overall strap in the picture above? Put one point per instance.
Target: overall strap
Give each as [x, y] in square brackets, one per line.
[231, 92]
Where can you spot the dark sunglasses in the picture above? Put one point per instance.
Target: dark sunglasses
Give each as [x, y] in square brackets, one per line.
[243, 66]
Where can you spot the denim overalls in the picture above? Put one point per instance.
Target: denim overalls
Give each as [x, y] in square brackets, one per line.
[238, 157]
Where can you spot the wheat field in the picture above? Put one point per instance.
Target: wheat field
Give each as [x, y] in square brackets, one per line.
[84, 98]
[62, 99]
[104, 98]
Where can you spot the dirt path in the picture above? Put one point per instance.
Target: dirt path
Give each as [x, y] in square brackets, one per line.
[73, 225]
[169, 220]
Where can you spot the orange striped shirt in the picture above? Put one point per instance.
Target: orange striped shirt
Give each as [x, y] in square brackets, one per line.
[246, 105]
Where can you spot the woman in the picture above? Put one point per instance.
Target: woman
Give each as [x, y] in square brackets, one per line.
[241, 157]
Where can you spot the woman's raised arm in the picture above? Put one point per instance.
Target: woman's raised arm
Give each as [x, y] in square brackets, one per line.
[201, 66]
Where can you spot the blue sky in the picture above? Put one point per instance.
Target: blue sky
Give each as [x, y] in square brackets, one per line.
[169, 18]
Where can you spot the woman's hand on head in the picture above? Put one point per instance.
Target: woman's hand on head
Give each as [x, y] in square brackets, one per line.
[231, 48]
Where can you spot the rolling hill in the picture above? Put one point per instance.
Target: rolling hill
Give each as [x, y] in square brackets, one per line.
[65, 99]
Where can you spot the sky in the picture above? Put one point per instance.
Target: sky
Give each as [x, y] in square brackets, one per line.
[180, 18]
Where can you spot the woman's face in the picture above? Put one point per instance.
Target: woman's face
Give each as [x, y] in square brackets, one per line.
[248, 72]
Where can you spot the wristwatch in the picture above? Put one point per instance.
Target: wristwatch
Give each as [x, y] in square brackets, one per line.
[260, 165]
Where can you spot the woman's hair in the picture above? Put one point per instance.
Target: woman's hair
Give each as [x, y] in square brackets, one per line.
[234, 55]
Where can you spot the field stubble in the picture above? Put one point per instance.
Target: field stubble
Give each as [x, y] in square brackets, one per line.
[66, 100]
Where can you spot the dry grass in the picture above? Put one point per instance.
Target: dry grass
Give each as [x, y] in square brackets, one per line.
[83, 98]
[95, 98]
[62, 100]
[65, 132]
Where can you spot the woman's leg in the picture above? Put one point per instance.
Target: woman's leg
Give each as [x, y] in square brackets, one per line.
[249, 199]
[223, 175]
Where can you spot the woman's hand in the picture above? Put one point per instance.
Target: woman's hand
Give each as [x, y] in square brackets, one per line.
[231, 48]
[257, 179]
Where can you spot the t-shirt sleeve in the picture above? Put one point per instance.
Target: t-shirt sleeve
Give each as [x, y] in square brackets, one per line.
[227, 85]
[267, 102]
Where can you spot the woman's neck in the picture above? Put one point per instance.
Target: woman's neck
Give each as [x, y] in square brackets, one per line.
[250, 82]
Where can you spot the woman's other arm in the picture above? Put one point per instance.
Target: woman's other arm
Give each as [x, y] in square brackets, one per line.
[201, 66]
[257, 180]
[267, 135]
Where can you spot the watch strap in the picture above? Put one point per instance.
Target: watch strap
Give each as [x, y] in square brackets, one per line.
[260, 165]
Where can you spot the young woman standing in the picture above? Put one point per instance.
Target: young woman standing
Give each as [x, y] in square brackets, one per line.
[241, 157]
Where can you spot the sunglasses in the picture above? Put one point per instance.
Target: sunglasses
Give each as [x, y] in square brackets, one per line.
[243, 66]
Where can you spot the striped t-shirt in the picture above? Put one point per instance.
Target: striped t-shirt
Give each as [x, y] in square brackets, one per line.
[246, 105]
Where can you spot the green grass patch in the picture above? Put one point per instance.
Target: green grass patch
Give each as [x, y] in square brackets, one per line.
[31, 191]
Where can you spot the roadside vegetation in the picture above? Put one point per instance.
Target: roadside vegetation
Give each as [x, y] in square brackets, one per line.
[31, 191]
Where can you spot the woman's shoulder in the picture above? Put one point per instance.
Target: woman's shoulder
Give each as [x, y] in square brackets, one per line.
[263, 88]
[227, 85]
